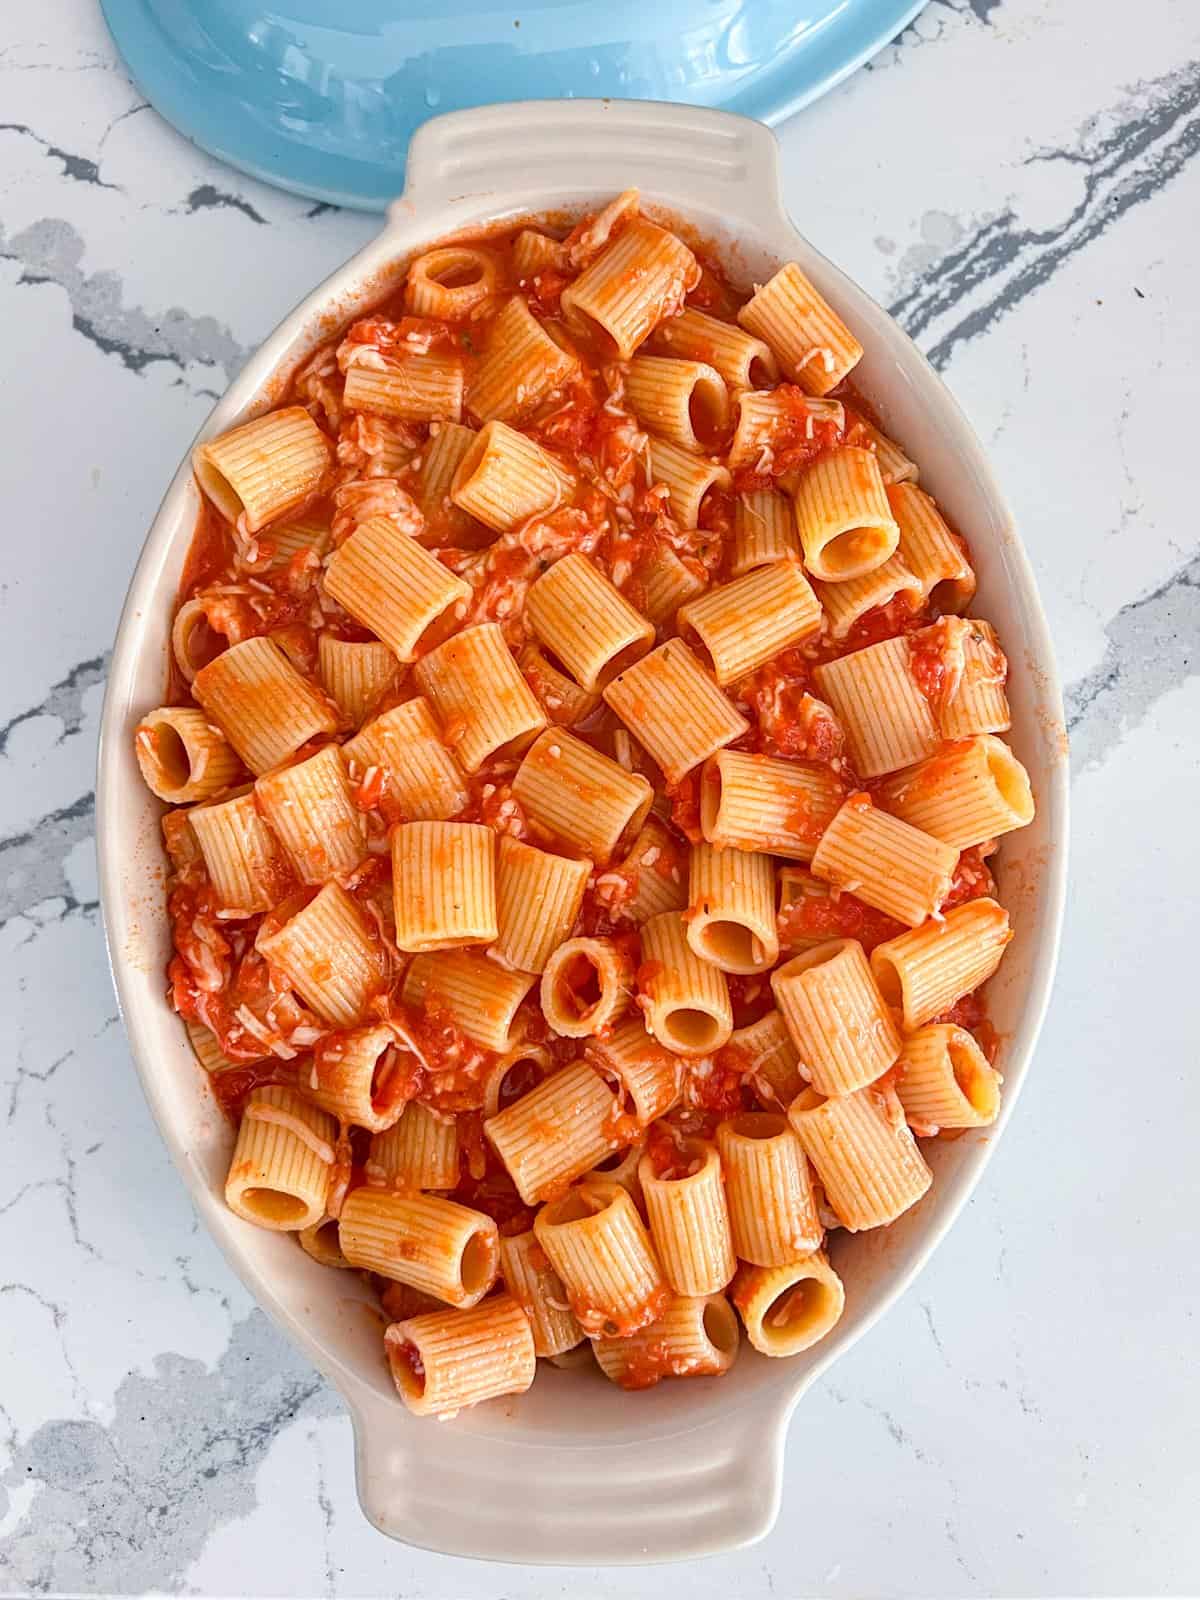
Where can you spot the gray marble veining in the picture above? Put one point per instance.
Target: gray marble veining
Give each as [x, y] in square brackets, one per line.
[127, 1507]
[51, 250]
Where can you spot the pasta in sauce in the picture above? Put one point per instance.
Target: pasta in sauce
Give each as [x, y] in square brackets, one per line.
[572, 647]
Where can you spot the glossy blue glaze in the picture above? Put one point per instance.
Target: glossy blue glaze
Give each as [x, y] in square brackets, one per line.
[321, 97]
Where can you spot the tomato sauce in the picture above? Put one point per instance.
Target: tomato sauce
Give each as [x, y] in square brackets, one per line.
[496, 1195]
[798, 441]
[685, 805]
[972, 877]
[210, 554]
[901, 617]
[928, 664]
[233, 1086]
[715, 1086]
[407, 1358]
[835, 916]
[790, 721]
[662, 1148]
[619, 518]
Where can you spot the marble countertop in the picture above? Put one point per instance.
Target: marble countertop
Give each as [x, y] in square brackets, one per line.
[1017, 180]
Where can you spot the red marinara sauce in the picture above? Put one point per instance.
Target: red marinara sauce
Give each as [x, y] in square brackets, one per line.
[835, 916]
[617, 514]
[928, 664]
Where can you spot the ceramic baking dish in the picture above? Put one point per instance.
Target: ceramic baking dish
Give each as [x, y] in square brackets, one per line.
[575, 1470]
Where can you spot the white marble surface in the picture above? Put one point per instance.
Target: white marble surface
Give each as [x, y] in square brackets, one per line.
[1019, 180]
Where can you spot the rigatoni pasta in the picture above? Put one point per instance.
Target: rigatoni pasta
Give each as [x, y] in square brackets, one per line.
[505, 477]
[805, 908]
[671, 705]
[864, 1154]
[689, 479]
[243, 859]
[689, 1217]
[837, 1017]
[556, 1132]
[480, 996]
[570, 668]
[586, 985]
[888, 863]
[894, 465]
[772, 1213]
[696, 1336]
[683, 401]
[598, 1245]
[308, 806]
[400, 759]
[929, 548]
[880, 706]
[813, 344]
[354, 1076]
[731, 909]
[331, 955]
[416, 389]
[534, 252]
[669, 582]
[450, 282]
[622, 1167]
[972, 790]
[842, 512]
[432, 1244]
[521, 367]
[764, 530]
[259, 472]
[742, 360]
[440, 461]
[658, 863]
[320, 1241]
[537, 1289]
[761, 803]
[578, 798]
[515, 1073]
[419, 1151]
[355, 676]
[945, 1080]
[927, 970]
[264, 707]
[647, 1074]
[789, 1308]
[769, 1059]
[746, 623]
[445, 1360]
[845, 603]
[207, 1047]
[279, 1174]
[684, 998]
[767, 421]
[586, 622]
[636, 283]
[443, 885]
[182, 757]
[559, 696]
[391, 584]
[972, 698]
[484, 705]
[538, 896]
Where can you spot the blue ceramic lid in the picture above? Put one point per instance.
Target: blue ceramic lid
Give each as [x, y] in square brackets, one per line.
[321, 96]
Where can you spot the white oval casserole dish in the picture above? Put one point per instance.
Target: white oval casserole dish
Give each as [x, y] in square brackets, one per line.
[575, 1470]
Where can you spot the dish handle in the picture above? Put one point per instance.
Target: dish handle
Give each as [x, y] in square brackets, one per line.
[726, 164]
[695, 1492]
